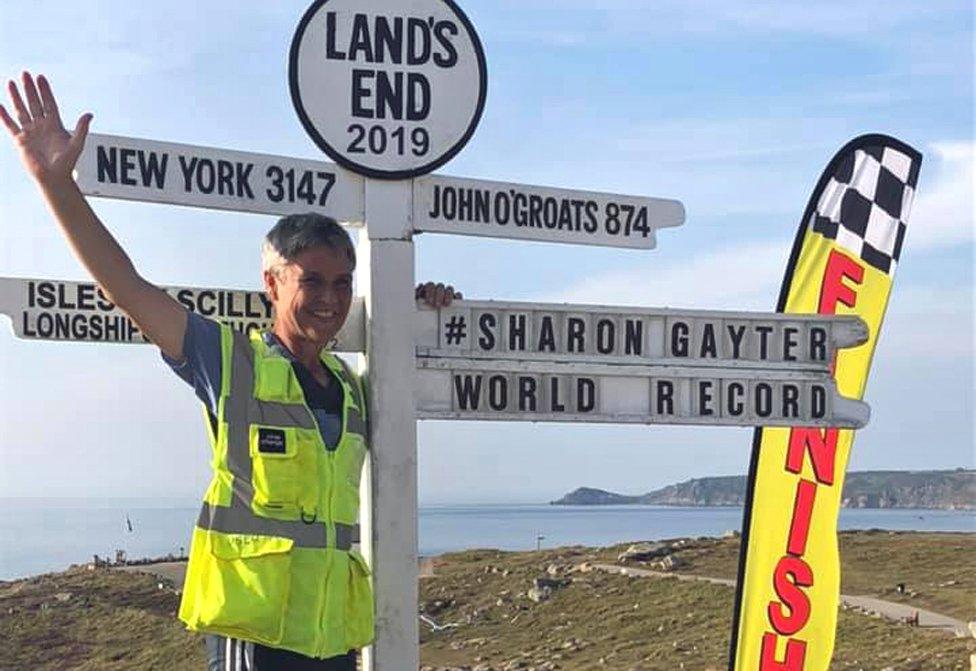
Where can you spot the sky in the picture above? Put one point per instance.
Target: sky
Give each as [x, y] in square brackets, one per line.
[732, 108]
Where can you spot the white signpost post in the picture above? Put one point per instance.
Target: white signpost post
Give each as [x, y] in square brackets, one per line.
[391, 90]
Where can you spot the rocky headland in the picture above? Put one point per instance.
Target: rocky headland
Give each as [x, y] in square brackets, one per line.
[944, 490]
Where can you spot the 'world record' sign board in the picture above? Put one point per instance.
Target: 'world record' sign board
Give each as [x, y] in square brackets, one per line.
[557, 392]
[130, 168]
[45, 309]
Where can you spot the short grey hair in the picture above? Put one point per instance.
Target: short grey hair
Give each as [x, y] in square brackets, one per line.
[295, 233]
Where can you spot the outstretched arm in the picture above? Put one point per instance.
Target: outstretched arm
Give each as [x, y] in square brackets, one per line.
[49, 154]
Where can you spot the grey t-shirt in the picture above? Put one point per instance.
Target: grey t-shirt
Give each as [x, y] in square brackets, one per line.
[201, 365]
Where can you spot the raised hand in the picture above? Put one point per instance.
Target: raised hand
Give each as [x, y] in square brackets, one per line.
[47, 150]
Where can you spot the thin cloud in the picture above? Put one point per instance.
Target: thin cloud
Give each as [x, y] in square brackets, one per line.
[943, 213]
[930, 322]
[738, 277]
[870, 20]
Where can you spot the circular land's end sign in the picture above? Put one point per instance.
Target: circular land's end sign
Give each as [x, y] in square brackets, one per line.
[387, 88]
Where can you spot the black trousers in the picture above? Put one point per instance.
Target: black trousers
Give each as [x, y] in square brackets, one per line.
[231, 654]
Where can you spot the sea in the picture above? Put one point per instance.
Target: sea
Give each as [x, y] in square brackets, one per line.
[43, 535]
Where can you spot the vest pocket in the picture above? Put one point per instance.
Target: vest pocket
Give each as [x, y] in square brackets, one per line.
[275, 472]
[359, 603]
[246, 586]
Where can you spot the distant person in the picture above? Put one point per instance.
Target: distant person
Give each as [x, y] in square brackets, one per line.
[273, 578]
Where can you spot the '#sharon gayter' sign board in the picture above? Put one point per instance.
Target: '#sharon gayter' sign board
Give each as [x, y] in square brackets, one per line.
[633, 335]
[44, 309]
[386, 88]
[131, 168]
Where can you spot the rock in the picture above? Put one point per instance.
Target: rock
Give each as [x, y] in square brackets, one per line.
[552, 570]
[63, 596]
[643, 552]
[539, 594]
[551, 583]
[435, 607]
[585, 567]
[670, 563]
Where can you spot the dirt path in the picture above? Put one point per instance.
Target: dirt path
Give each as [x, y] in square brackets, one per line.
[888, 609]
[174, 572]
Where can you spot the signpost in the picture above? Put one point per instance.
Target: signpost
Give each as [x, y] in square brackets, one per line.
[634, 335]
[545, 392]
[386, 88]
[131, 168]
[391, 91]
[502, 210]
[46, 309]
[584, 363]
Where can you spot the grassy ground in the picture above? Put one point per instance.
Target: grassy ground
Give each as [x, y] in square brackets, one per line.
[111, 621]
[614, 622]
[938, 569]
[114, 621]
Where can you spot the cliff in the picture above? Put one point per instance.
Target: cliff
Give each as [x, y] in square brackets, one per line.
[866, 489]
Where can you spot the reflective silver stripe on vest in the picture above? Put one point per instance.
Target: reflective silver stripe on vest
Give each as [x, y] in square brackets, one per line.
[236, 520]
[354, 417]
[281, 414]
[355, 422]
[236, 415]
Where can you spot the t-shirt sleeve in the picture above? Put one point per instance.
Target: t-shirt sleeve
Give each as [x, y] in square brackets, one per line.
[200, 367]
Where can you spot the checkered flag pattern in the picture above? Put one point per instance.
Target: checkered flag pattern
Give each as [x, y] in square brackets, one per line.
[866, 203]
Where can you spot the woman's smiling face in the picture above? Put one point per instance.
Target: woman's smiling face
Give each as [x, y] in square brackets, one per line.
[311, 294]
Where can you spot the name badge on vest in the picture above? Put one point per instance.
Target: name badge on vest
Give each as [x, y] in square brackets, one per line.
[271, 441]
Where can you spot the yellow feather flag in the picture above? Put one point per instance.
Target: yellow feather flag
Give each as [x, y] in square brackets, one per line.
[843, 262]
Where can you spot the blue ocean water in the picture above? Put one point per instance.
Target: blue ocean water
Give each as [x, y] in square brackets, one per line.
[40, 535]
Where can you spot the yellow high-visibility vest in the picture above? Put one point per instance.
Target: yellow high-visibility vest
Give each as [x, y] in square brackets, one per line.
[271, 560]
